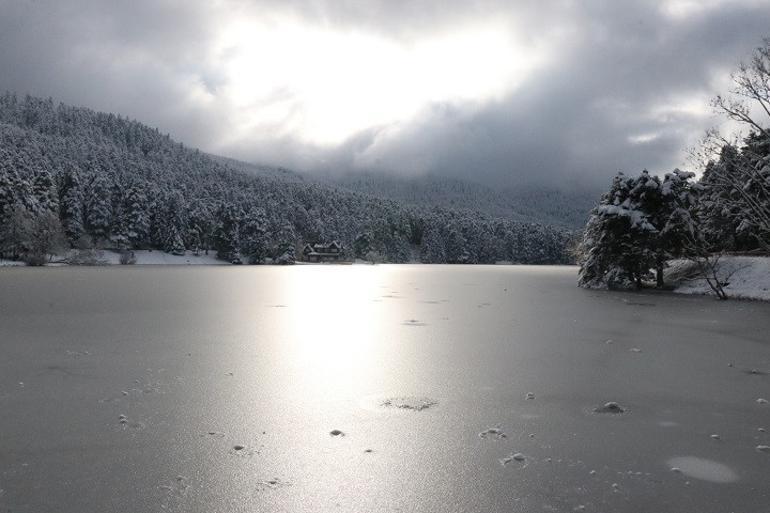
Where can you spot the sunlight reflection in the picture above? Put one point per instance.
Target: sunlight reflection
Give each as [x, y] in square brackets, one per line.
[332, 323]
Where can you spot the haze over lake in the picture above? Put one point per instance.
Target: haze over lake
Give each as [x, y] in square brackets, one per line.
[217, 389]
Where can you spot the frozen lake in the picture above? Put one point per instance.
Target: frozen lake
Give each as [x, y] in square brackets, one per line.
[216, 389]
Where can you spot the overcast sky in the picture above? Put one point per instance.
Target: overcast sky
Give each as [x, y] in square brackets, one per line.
[494, 90]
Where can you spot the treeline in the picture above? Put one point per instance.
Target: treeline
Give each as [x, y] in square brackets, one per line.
[642, 222]
[98, 180]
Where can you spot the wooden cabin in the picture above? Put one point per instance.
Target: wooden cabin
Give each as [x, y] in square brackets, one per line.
[322, 252]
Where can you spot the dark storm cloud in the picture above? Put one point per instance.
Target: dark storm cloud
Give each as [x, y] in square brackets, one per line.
[625, 85]
[630, 73]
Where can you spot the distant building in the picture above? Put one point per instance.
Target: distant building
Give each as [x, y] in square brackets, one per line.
[322, 252]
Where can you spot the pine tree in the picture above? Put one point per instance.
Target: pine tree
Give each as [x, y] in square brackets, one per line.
[286, 240]
[136, 218]
[432, 250]
[253, 236]
[456, 245]
[71, 206]
[44, 193]
[614, 250]
[98, 211]
[200, 231]
[227, 241]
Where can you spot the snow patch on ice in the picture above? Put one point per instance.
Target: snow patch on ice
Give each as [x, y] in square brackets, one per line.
[703, 469]
[610, 407]
[409, 403]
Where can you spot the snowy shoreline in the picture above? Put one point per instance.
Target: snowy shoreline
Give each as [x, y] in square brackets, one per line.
[143, 257]
[749, 277]
[157, 257]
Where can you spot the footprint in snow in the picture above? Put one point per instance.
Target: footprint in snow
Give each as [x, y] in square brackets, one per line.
[495, 433]
[519, 457]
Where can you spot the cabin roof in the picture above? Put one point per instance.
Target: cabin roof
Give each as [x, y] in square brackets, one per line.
[320, 246]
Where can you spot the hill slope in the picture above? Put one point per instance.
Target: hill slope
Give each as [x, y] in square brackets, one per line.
[113, 182]
[527, 204]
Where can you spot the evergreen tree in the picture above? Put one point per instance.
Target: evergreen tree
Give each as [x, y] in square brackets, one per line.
[98, 211]
[286, 240]
[432, 250]
[227, 242]
[71, 206]
[136, 220]
[253, 237]
[44, 193]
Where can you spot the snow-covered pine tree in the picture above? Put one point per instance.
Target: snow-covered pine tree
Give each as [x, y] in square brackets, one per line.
[679, 234]
[744, 183]
[286, 240]
[432, 250]
[455, 245]
[44, 194]
[227, 242]
[200, 227]
[71, 206]
[614, 251]
[171, 222]
[98, 208]
[12, 187]
[253, 236]
[136, 218]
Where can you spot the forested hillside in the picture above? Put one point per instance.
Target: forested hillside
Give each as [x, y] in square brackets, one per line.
[106, 181]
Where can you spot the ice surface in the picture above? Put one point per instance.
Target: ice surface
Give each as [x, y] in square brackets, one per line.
[336, 360]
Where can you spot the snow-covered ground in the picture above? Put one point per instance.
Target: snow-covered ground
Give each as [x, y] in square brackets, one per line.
[143, 257]
[9, 263]
[147, 257]
[749, 277]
